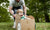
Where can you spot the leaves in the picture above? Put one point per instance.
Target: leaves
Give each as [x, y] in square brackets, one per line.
[37, 8]
[5, 17]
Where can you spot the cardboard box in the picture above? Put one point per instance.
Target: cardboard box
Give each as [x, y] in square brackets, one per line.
[26, 24]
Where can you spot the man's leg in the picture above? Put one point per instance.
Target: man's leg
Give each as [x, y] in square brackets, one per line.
[14, 18]
[14, 23]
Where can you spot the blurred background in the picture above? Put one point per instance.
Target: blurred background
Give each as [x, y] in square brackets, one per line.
[40, 9]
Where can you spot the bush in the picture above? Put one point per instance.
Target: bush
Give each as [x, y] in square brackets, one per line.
[4, 15]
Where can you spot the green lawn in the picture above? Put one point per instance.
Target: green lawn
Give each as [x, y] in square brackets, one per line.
[39, 26]
[42, 26]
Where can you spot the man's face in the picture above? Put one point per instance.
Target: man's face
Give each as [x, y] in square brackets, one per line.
[17, 0]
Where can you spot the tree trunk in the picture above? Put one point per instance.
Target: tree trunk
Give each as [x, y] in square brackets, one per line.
[41, 19]
[37, 20]
[47, 17]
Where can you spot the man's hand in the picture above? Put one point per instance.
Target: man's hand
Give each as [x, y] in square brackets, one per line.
[14, 15]
[25, 15]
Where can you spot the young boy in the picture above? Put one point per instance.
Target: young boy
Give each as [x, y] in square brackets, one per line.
[20, 12]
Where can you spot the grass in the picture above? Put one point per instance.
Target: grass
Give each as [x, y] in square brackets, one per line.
[42, 26]
[39, 26]
[6, 26]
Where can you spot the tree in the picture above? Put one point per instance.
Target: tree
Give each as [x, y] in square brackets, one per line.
[4, 14]
[45, 9]
[38, 9]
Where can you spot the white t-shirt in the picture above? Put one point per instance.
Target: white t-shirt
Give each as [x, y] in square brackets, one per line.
[16, 4]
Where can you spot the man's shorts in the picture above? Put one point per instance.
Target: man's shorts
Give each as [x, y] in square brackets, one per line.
[15, 9]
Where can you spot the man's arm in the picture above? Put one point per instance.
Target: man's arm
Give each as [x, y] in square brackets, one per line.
[24, 8]
[11, 6]
[10, 10]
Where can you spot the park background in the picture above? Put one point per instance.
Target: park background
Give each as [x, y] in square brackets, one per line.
[40, 9]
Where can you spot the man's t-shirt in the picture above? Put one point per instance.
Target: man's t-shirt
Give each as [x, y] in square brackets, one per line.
[16, 4]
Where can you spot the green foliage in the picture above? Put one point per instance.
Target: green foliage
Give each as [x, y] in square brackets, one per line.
[1, 1]
[4, 14]
[39, 9]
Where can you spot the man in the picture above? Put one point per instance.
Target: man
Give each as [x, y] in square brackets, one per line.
[16, 4]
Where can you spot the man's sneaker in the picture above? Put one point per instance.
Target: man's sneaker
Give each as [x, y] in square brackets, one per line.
[13, 27]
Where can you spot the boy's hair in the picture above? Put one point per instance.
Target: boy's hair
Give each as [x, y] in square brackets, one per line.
[19, 11]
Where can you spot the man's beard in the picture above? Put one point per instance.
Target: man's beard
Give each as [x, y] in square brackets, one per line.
[17, 0]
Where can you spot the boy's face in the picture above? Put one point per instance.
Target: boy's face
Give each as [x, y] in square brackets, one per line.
[21, 14]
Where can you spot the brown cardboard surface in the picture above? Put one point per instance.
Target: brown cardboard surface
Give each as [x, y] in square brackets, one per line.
[26, 24]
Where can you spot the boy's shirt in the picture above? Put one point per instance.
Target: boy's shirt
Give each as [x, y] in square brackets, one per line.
[23, 17]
